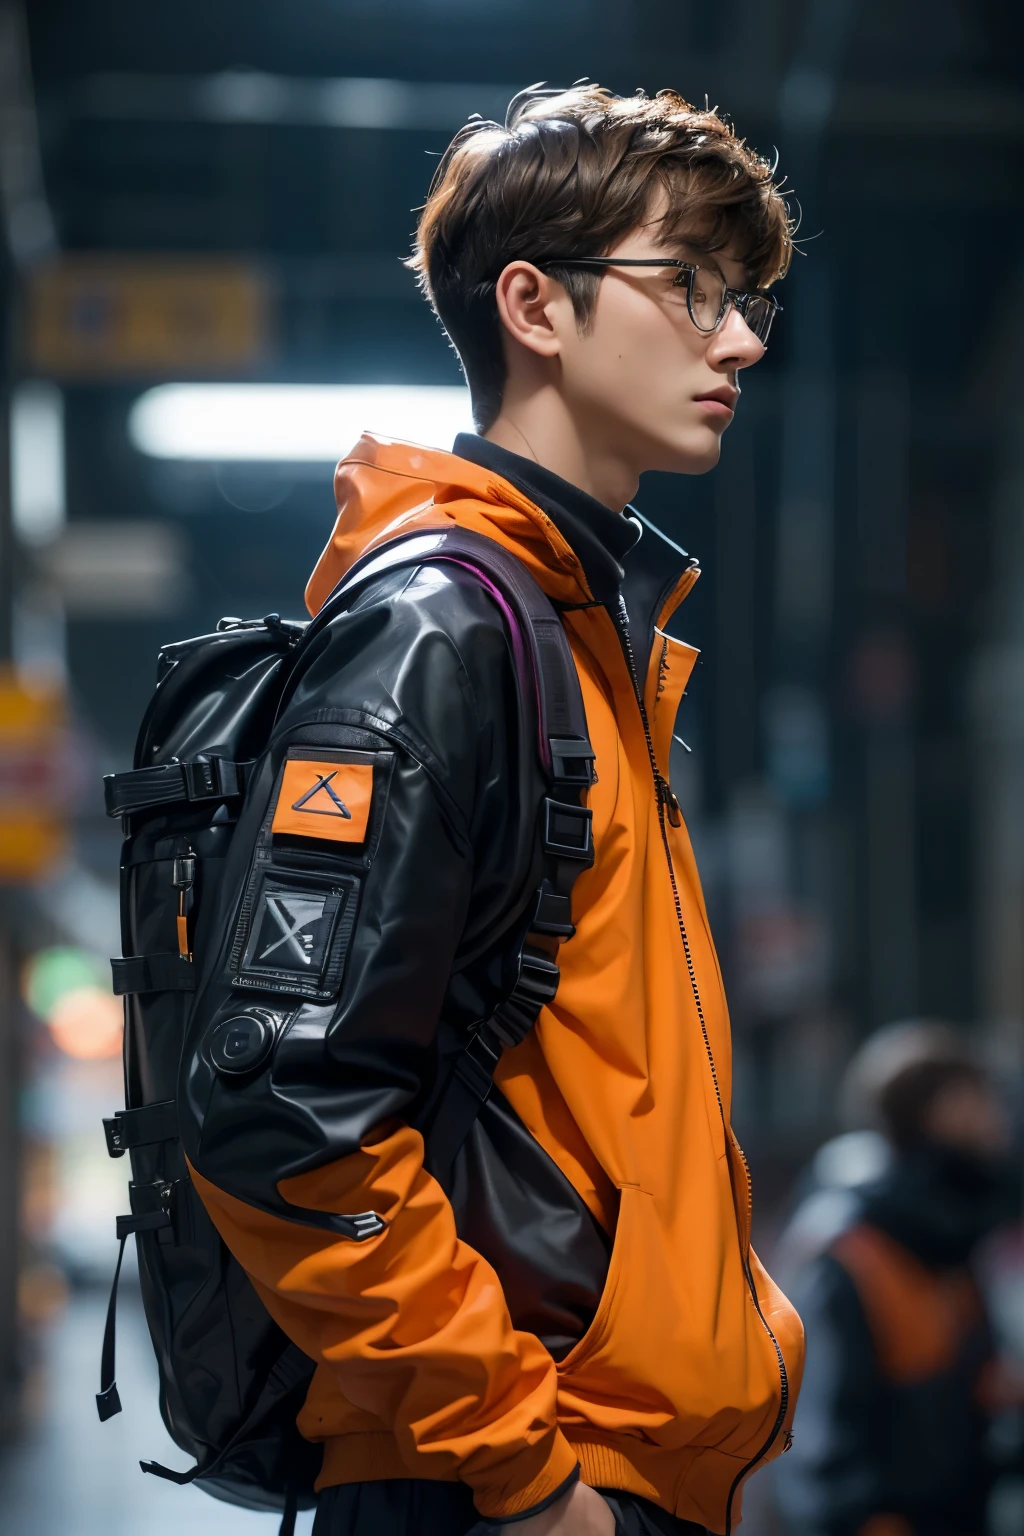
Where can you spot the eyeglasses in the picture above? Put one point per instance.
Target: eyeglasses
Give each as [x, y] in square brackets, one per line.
[707, 295]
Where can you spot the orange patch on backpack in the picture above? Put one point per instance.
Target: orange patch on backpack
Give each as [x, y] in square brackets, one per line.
[324, 800]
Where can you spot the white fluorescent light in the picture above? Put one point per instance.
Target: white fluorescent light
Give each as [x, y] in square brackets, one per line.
[37, 462]
[292, 423]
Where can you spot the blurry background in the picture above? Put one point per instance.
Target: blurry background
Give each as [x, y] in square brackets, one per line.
[222, 192]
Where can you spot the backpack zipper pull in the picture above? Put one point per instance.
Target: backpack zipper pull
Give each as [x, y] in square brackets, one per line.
[183, 877]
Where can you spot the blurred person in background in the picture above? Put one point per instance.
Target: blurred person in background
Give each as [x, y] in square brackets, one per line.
[902, 1379]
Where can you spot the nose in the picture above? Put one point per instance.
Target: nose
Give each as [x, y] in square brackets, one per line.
[733, 345]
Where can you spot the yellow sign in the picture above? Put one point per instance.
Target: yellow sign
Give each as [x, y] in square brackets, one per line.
[35, 779]
[130, 317]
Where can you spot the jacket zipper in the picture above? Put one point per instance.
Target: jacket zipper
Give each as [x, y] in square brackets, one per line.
[669, 805]
[662, 668]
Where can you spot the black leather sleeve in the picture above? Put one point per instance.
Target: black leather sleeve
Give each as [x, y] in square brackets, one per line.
[416, 683]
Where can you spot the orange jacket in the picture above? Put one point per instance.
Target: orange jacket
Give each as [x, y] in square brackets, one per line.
[688, 1375]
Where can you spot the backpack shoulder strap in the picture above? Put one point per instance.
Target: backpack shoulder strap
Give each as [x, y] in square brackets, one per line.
[550, 688]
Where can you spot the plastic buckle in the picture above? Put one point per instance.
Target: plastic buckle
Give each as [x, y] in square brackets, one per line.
[553, 915]
[572, 760]
[203, 779]
[115, 1142]
[368, 1224]
[567, 830]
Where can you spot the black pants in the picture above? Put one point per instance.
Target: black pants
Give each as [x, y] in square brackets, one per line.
[408, 1507]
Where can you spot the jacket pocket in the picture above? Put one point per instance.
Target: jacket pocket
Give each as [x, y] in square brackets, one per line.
[515, 1206]
[603, 1318]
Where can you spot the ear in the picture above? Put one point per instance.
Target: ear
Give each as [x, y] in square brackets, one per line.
[531, 306]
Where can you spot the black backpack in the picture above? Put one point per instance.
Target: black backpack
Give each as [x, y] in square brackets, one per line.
[231, 1383]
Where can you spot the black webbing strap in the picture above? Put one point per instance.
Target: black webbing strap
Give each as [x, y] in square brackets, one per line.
[107, 1401]
[291, 1498]
[472, 1076]
[157, 1469]
[291, 1505]
[290, 1369]
[150, 1210]
[143, 789]
[168, 972]
[141, 1127]
[545, 670]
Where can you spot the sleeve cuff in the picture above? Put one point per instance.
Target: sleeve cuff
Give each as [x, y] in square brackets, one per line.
[502, 1506]
[501, 1521]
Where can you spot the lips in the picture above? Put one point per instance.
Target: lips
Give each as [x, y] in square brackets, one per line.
[726, 395]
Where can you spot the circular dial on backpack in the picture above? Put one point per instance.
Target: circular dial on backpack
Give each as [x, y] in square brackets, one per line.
[242, 1043]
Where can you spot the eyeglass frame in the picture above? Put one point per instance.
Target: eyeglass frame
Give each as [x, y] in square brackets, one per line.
[740, 298]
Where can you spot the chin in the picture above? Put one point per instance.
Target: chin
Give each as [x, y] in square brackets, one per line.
[696, 456]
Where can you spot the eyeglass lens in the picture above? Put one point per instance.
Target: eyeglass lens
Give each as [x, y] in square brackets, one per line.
[707, 296]
[707, 303]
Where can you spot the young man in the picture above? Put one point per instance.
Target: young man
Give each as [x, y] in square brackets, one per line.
[578, 1309]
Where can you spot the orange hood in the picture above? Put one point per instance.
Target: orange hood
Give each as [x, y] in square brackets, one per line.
[386, 488]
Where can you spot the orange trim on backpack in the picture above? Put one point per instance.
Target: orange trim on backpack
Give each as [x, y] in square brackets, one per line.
[324, 800]
[917, 1317]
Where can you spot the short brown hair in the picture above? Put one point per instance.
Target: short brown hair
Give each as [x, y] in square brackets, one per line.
[575, 171]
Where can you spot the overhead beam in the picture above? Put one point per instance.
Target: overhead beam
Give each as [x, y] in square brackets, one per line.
[258, 97]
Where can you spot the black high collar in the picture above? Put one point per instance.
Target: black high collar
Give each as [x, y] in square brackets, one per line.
[616, 561]
[599, 537]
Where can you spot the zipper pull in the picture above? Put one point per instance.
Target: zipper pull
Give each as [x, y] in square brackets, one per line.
[667, 796]
[183, 876]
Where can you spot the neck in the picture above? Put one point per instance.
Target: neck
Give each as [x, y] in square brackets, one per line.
[538, 425]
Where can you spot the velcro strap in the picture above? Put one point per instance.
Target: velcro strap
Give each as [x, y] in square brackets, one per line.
[143, 789]
[168, 972]
[141, 1127]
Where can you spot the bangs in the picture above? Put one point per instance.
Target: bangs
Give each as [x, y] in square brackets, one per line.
[713, 205]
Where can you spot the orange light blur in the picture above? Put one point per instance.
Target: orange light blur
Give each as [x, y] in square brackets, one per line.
[87, 1023]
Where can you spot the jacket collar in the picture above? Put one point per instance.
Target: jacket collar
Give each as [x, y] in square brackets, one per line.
[386, 488]
[600, 538]
[622, 554]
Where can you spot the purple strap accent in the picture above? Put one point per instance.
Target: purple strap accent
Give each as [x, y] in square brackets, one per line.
[519, 650]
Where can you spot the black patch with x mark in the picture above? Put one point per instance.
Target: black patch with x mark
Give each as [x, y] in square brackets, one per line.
[298, 937]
